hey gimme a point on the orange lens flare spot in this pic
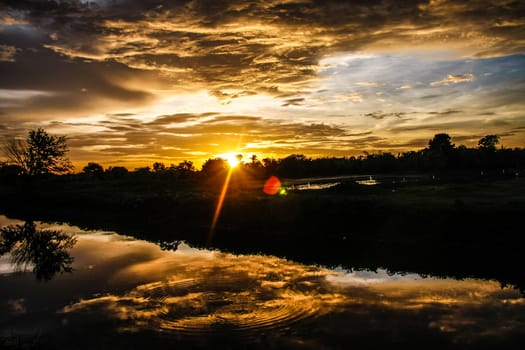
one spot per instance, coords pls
(272, 185)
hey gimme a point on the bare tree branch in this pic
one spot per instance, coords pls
(16, 151)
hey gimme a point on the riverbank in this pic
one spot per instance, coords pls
(459, 229)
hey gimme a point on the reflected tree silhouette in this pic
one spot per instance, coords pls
(169, 245)
(45, 250)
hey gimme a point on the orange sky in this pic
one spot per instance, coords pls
(134, 82)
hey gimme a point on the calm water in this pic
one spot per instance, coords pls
(126, 293)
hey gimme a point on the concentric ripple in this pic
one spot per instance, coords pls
(226, 303)
(203, 293)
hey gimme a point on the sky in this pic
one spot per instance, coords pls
(132, 82)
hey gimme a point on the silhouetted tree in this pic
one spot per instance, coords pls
(488, 143)
(16, 152)
(39, 154)
(487, 154)
(9, 172)
(380, 162)
(412, 160)
(440, 151)
(270, 166)
(159, 167)
(254, 160)
(146, 170)
(295, 165)
(214, 166)
(93, 169)
(116, 172)
(254, 167)
(184, 168)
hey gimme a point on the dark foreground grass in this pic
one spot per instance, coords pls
(459, 229)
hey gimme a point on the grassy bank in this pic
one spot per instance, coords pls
(456, 228)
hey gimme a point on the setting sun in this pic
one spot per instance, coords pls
(233, 159)
(262, 173)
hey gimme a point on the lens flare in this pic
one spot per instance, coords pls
(272, 185)
(219, 206)
(233, 160)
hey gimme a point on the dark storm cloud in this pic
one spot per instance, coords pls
(69, 84)
(258, 46)
(46, 70)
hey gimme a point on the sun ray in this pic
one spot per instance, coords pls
(219, 205)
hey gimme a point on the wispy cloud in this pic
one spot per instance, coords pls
(293, 102)
(382, 115)
(368, 83)
(453, 79)
(176, 137)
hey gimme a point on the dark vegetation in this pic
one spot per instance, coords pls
(443, 210)
(38, 155)
(46, 251)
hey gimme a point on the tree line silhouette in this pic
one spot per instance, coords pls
(42, 154)
(413, 226)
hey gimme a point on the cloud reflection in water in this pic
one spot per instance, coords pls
(199, 293)
(130, 293)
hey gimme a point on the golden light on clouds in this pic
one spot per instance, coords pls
(290, 66)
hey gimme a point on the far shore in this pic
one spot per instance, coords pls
(448, 227)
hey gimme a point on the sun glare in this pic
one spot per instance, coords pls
(233, 159)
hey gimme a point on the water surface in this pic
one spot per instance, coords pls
(127, 293)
